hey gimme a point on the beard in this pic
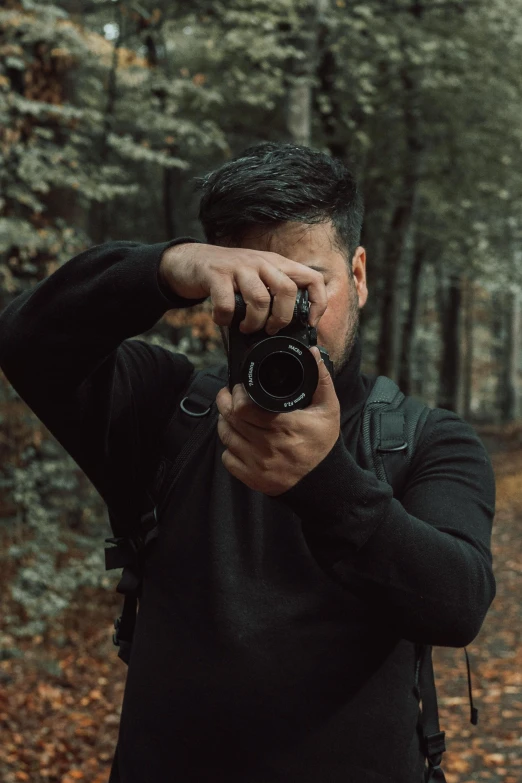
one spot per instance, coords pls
(340, 359)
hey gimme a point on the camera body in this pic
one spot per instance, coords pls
(278, 371)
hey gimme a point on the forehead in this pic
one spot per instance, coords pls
(313, 245)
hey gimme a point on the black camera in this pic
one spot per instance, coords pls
(278, 371)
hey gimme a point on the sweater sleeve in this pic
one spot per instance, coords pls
(424, 563)
(64, 349)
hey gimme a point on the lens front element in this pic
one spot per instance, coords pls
(280, 374)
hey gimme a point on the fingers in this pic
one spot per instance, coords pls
(268, 283)
(279, 278)
(222, 295)
(254, 289)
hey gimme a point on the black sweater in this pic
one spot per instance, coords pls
(275, 639)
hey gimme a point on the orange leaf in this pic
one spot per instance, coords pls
(492, 759)
(459, 765)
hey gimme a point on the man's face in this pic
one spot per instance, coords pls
(313, 246)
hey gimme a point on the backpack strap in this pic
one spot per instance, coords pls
(434, 739)
(181, 438)
(196, 412)
(391, 428)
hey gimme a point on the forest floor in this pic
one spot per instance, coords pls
(61, 693)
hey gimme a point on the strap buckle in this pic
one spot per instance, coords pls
(120, 555)
(116, 635)
(435, 746)
(397, 448)
(193, 413)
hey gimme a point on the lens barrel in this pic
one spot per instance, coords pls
(280, 374)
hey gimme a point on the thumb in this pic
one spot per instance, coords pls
(325, 386)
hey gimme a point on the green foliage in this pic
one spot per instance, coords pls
(89, 125)
(59, 550)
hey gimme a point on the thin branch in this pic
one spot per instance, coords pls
(417, 8)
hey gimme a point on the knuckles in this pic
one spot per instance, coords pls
(223, 431)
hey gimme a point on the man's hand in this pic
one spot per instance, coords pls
(271, 452)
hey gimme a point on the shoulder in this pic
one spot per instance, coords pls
(439, 424)
(450, 428)
(157, 376)
(445, 440)
(136, 349)
(449, 446)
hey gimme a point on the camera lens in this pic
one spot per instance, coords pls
(280, 374)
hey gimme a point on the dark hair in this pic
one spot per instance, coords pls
(275, 182)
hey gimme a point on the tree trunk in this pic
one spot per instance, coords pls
(411, 317)
(172, 179)
(331, 118)
(171, 187)
(298, 112)
(99, 214)
(508, 377)
(387, 351)
(467, 364)
(497, 329)
(450, 360)
(398, 231)
(299, 94)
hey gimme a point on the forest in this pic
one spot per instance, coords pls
(109, 112)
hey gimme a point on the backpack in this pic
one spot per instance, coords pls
(390, 430)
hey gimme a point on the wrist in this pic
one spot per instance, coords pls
(171, 255)
(171, 258)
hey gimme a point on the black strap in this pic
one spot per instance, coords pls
(433, 738)
(390, 439)
(473, 710)
(389, 446)
(190, 416)
(129, 552)
(390, 430)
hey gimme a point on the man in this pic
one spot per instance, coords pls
(286, 593)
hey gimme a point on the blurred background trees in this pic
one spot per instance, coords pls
(108, 110)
